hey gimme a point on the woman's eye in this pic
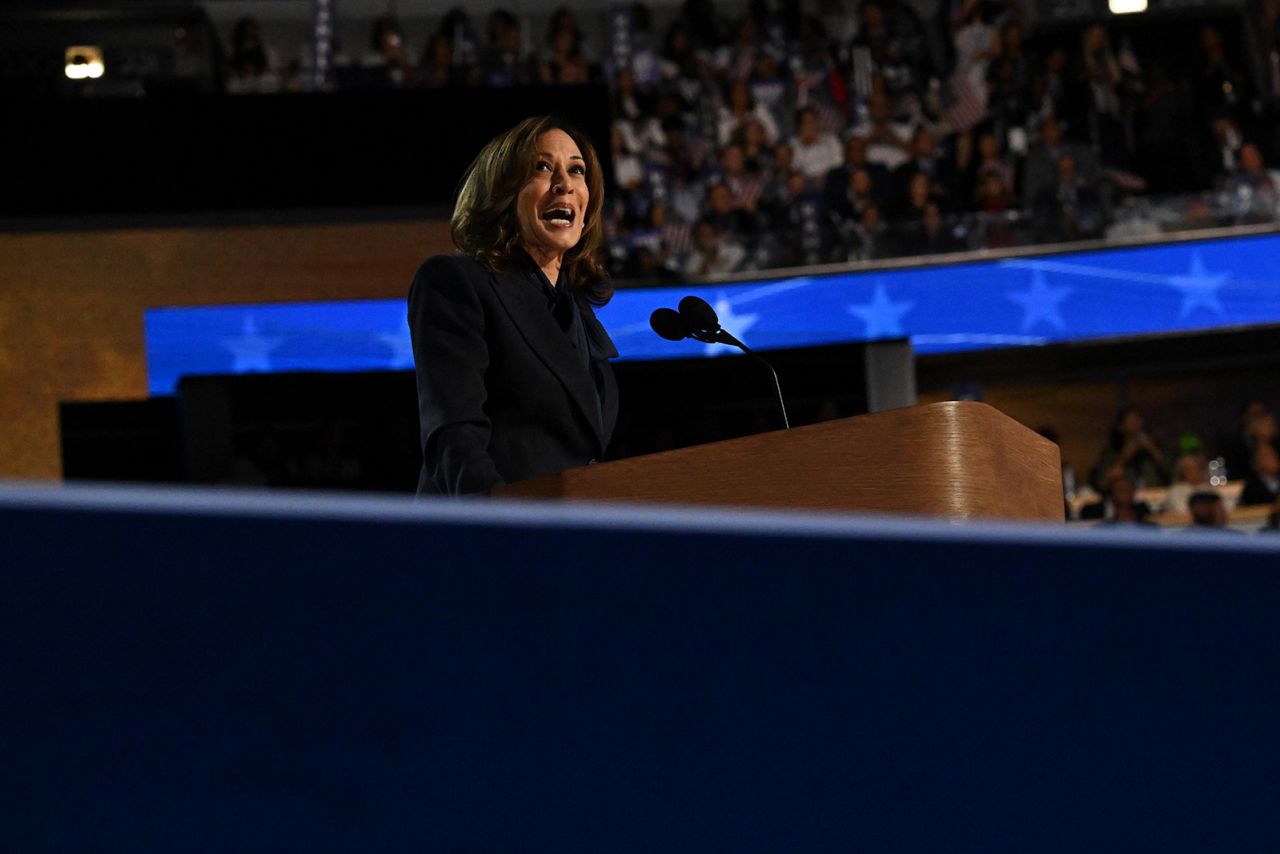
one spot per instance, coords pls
(542, 164)
(578, 170)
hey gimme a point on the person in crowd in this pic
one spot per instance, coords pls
(252, 66)
(868, 238)
(926, 159)
(437, 69)
(840, 180)
(931, 235)
(1272, 525)
(1263, 485)
(387, 53)
(566, 64)
(918, 195)
(503, 61)
(987, 160)
(1256, 425)
(814, 153)
(512, 364)
(713, 254)
(1222, 89)
(1071, 209)
(855, 198)
(745, 187)
(1207, 511)
(887, 138)
(1040, 167)
(737, 109)
(1254, 189)
(806, 222)
(1131, 450)
(757, 152)
(1119, 504)
(1110, 81)
(1190, 476)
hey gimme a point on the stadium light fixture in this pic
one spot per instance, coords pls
(1126, 7)
(84, 62)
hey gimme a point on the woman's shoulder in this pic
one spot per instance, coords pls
(453, 265)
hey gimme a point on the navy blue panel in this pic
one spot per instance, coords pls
(209, 673)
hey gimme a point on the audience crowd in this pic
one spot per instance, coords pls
(774, 138)
(1133, 463)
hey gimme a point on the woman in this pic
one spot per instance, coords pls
(513, 377)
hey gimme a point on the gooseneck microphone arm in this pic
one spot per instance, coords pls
(720, 335)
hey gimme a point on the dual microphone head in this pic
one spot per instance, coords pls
(695, 319)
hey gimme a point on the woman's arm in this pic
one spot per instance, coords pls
(451, 355)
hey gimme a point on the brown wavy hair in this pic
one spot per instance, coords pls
(484, 223)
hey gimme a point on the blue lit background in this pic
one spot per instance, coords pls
(999, 303)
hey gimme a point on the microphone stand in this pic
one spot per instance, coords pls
(720, 335)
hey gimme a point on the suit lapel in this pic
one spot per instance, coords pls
(602, 349)
(525, 303)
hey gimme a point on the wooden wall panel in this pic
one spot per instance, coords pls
(71, 304)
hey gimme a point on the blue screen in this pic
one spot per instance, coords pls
(1071, 296)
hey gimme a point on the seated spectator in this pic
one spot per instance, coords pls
(1040, 168)
(737, 109)
(253, 67)
(502, 62)
(1272, 525)
(849, 203)
(807, 222)
(838, 180)
(565, 65)
(1070, 210)
(713, 254)
(1190, 477)
(736, 222)
(1207, 510)
(918, 194)
(868, 238)
(1255, 189)
(887, 138)
(1256, 426)
(1131, 451)
(387, 54)
(437, 69)
(988, 160)
(1119, 504)
(757, 151)
(770, 90)
(930, 235)
(814, 153)
(925, 158)
(1263, 486)
(995, 203)
(744, 185)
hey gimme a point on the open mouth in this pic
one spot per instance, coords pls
(560, 215)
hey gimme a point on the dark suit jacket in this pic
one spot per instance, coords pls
(503, 393)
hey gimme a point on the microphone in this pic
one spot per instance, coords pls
(696, 319)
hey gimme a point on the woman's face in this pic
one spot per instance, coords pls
(551, 208)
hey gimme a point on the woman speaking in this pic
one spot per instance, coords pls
(513, 377)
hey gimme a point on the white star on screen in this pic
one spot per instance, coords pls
(1041, 303)
(882, 316)
(401, 347)
(735, 324)
(1199, 287)
(251, 352)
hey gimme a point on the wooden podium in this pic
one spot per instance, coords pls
(956, 459)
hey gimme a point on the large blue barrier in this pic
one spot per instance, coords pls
(205, 671)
